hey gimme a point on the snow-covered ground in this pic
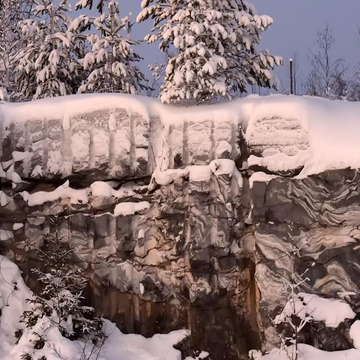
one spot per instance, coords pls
(118, 346)
(306, 352)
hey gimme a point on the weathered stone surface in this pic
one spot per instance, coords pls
(178, 257)
(319, 216)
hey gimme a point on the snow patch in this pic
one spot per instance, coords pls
(261, 177)
(62, 192)
(199, 172)
(355, 334)
(307, 352)
(103, 189)
(4, 199)
(280, 161)
(331, 311)
(6, 235)
(130, 208)
(37, 171)
(201, 356)
(17, 226)
(168, 176)
(21, 155)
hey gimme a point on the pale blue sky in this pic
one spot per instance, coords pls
(296, 23)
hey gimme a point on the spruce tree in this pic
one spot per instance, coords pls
(215, 48)
(46, 65)
(89, 4)
(11, 42)
(62, 284)
(80, 46)
(111, 59)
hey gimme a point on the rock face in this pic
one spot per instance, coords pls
(320, 216)
(172, 227)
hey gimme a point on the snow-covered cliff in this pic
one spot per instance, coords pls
(184, 217)
(120, 136)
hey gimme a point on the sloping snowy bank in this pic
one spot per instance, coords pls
(13, 293)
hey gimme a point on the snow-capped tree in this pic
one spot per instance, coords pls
(215, 43)
(89, 4)
(11, 12)
(80, 46)
(46, 65)
(111, 59)
(62, 284)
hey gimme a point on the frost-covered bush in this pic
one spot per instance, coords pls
(60, 298)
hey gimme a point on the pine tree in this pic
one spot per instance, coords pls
(46, 65)
(111, 59)
(62, 284)
(215, 42)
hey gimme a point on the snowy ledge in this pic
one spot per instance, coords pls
(284, 133)
(101, 189)
(200, 173)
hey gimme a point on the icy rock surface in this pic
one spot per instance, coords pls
(184, 218)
